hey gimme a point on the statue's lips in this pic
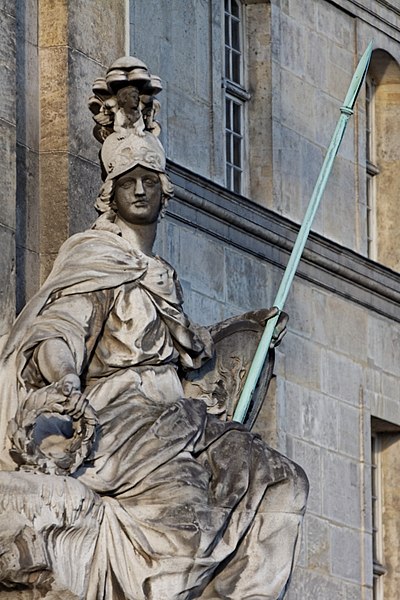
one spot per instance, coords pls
(140, 203)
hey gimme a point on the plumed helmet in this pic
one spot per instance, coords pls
(121, 155)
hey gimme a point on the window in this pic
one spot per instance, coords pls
(385, 483)
(377, 525)
(383, 159)
(372, 168)
(235, 95)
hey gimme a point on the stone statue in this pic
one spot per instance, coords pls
(122, 476)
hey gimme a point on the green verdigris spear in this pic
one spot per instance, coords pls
(263, 347)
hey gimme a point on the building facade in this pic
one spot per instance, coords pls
(252, 92)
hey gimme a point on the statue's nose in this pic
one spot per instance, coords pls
(139, 189)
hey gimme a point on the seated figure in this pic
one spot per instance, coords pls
(115, 484)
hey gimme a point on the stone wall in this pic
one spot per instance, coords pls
(27, 152)
(8, 162)
(75, 46)
(51, 52)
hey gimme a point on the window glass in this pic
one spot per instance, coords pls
(235, 94)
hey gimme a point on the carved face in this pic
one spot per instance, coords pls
(128, 97)
(137, 196)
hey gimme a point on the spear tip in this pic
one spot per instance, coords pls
(358, 77)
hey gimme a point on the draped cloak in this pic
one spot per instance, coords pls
(192, 507)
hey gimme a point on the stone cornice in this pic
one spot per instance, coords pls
(365, 11)
(239, 222)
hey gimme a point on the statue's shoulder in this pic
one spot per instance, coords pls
(93, 245)
(95, 259)
(92, 238)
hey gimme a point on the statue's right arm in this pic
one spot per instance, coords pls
(59, 344)
(56, 364)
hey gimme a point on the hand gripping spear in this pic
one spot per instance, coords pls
(263, 347)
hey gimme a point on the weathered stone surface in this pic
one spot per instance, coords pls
(316, 70)
(306, 372)
(209, 261)
(82, 71)
(8, 163)
(341, 377)
(28, 269)
(54, 133)
(83, 184)
(202, 308)
(320, 418)
(337, 25)
(8, 6)
(167, 243)
(298, 117)
(384, 344)
(293, 408)
(293, 45)
(260, 108)
(7, 275)
(310, 455)
(390, 474)
(304, 13)
(309, 585)
(256, 290)
(53, 24)
(339, 69)
(340, 214)
(8, 175)
(90, 23)
(300, 310)
(318, 544)
(349, 430)
(28, 213)
(346, 560)
(340, 485)
(7, 66)
(27, 106)
(27, 225)
(53, 203)
(344, 326)
(27, 22)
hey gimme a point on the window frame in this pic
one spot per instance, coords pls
(235, 95)
(378, 567)
(372, 169)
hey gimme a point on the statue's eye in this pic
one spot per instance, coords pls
(149, 181)
(126, 185)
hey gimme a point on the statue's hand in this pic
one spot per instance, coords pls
(280, 328)
(68, 384)
(70, 387)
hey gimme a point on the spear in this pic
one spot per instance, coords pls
(265, 342)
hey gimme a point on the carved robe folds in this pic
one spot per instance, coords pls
(169, 493)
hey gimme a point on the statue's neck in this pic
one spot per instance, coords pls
(140, 237)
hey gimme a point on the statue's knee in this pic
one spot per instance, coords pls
(301, 487)
(290, 494)
(24, 558)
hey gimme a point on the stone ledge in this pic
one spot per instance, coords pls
(382, 13)
(237, 221)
